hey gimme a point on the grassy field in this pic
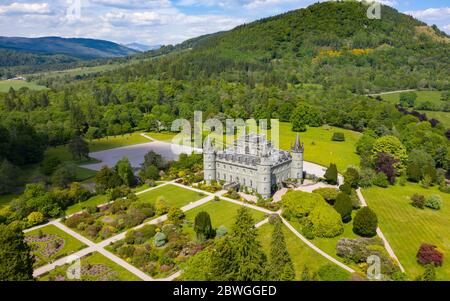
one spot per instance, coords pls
(443, 117)
(320, 149)
(174, 196)
(71, 245)
(300, 253)
(222, 213)
(5, 85)
(94, 201)
(115, 271)
(407, 227)
(162, 136)
(431, 96)
(117, 141)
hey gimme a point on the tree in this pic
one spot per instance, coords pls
(392, 146)
(419, 164)
(281, 267)
(338, 137)
(385, 164)
(198, 267)
(203, 227)
(107, 178)
(63, 176)
(154, 159)
(239, 257)
(79, 148)
(8, 176)
(365, 222)
(331, 175)
(16, 262)
(175, 216)
(408, 99)
(93, 133)
(149, 173)
(125, 172)
(49, 165)
(344, 207)
(351, 177)
(161, 206)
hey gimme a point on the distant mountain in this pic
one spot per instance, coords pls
(142, 47)
(73, 47)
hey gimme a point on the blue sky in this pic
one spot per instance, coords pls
(164, 21)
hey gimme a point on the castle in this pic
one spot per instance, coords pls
(254, 163)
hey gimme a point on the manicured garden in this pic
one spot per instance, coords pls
(93, 201)
(173, 195)
(222, 213)
(94, 267)
(303, 257)
(407, 227)
(50, 243)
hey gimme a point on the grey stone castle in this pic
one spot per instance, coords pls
(254, 163)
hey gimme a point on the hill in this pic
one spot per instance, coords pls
(330, 42)
(73, 47)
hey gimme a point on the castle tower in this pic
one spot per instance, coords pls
(209, 161)
(297, 159)
(264, 177)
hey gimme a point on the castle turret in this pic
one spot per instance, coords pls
(264, 177)
(209, 161)
(297, 159)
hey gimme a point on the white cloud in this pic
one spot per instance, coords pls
(435, 14)
(133, 4)
(25, 9)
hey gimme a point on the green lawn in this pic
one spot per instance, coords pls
(94, 201)
(71, 245)
(407, 227)
(443, 117)
(300, 253)
(162, 136)
(175, 196)
(118, 141)
(320, 149)
(328, 245)
(431, 96)
(5, 85)
(113, 270)
(222, 213)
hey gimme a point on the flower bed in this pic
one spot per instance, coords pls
(156, 250)
(111, 219)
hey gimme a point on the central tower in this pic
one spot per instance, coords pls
(297, 159)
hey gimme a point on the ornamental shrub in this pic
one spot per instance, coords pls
(35, 218)
(160, 239)
(434, 201)
(221, 231)
(329, 194)
(326, 221)
(298, 204)
(175, 216)
(331, 175)
(380, 180)
(365, 222)
(344, 207)
(418, 201)
(429, 274)
(345, 188)
(351, 177)
(338, 137)
(429, 254)
(203, 227)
